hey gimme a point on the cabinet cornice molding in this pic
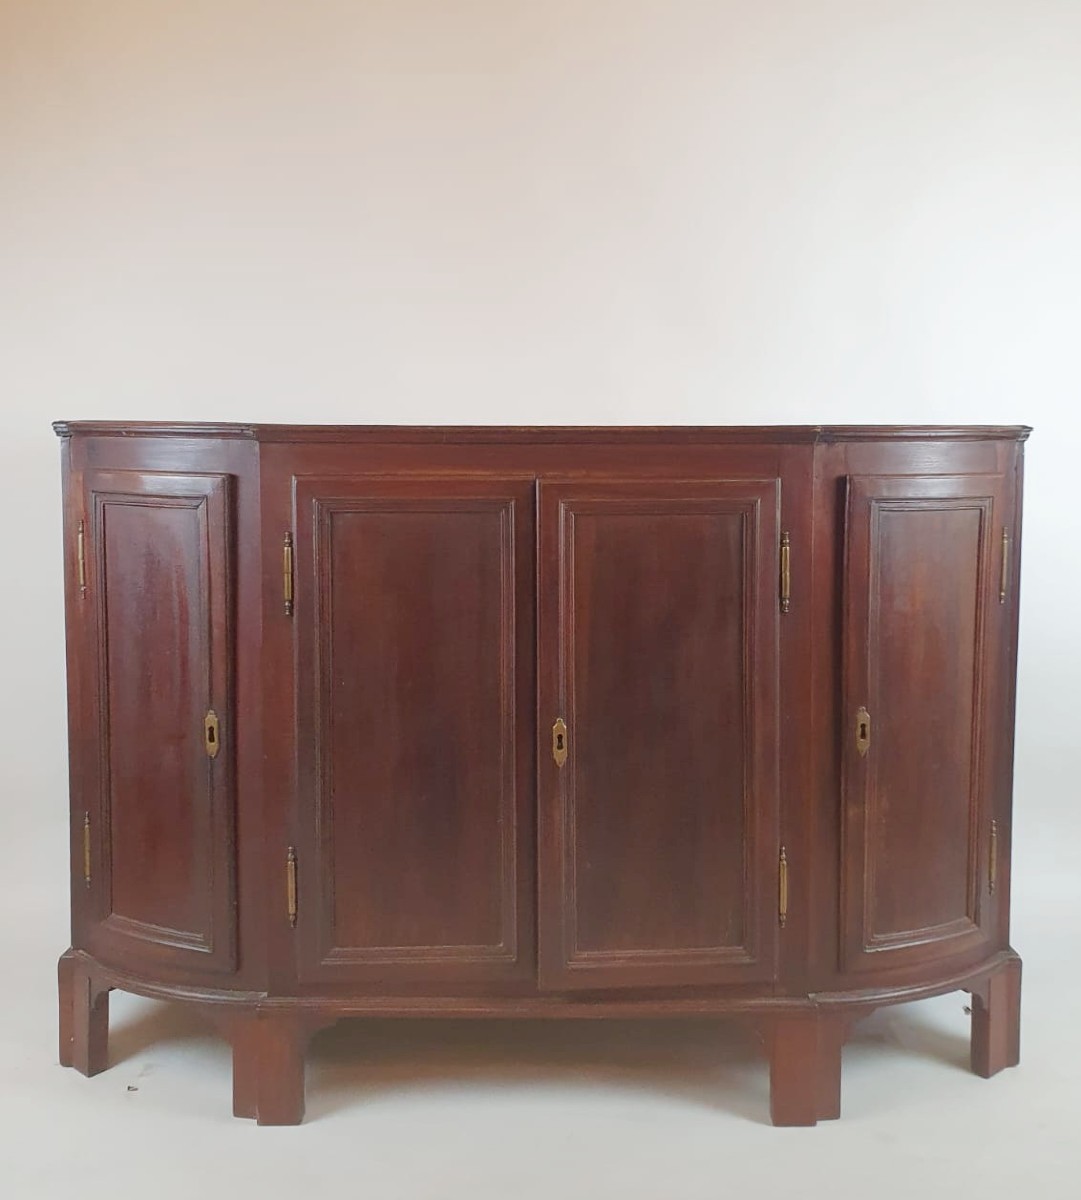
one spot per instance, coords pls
(544, 434)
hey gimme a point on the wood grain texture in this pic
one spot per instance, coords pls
(659, 604)
(921, 596)
(413, 747)
(161, 816)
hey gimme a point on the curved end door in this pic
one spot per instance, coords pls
(925, 617)
(153, 799)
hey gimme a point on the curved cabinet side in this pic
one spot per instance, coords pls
(154, 798)
(916, 602)
(923, 620)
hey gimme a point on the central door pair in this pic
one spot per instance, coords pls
(448, 831)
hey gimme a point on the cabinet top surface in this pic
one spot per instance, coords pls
(688, 434)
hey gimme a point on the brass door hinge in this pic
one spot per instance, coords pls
(992, 859)
(782, 888)
(291, 885)
(287, 574)
(786, 572)
(1004, 576)
(86, 848)
(80, 553)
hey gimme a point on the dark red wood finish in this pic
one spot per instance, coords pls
(658, 648)
(414, 635)
(922, 620)
(395, 731)
(158, 811)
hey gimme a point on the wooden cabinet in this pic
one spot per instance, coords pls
(540, 722)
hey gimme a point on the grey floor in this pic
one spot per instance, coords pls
(663, 1110)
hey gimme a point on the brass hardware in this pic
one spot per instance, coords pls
(80, 541)
(1005, 576)
(211, 734)
(291, 885)
(782, 888)
(786, 572)
(287, 574)
(863, 731)
(86, 848)
(992, 859)
(559, 741)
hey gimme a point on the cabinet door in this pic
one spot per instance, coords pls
(157, 798)
(924, 560)
(658, 789)
(414, 627)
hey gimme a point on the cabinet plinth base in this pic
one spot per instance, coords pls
(803, 1037)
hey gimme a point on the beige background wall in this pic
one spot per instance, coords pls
(579, 211)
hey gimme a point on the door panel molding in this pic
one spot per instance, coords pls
(596, 539)
(922, 619)
(458, 544)
(162, 828)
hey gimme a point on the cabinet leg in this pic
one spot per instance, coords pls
(84, 1017)
(996, 1021)
(283, 1043)
(268, 1068)
(804, 1069)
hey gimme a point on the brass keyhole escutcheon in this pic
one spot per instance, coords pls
(863, 731)
(559, 741)
(211, 734)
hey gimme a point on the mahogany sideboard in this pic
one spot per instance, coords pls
(552, 722)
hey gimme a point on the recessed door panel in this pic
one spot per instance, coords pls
(923, 559)
(159, 823)
(658, 649)
(414, 627)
